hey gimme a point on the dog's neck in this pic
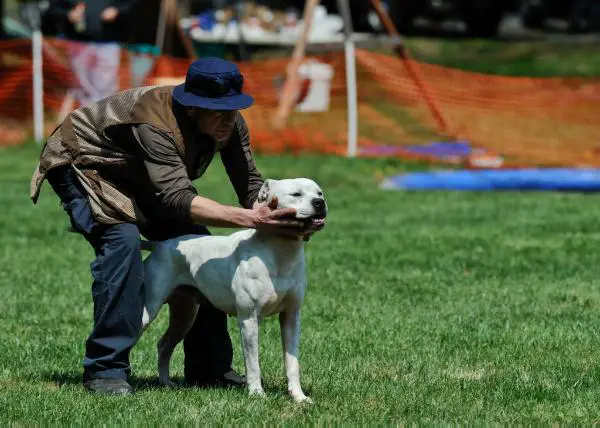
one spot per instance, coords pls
(285, 248)
(279, 240)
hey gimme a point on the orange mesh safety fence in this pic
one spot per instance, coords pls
(546, 121)
(528, 121)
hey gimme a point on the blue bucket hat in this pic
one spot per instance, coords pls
(213, 84)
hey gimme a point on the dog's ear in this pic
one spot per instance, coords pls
(264, 194)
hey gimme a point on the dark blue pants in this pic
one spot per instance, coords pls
(117, 292)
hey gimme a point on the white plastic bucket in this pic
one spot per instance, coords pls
(318, 97)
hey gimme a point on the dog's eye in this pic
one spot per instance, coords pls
(296, 194)
(319, 193)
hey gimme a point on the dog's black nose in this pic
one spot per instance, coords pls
(318, 203)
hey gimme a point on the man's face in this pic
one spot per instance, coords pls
(218, 124)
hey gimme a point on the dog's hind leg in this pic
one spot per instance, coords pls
(182, 314)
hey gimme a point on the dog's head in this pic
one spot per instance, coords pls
(302, 194)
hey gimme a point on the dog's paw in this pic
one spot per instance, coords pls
(302, 399)
(257, 392)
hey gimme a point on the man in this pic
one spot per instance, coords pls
(124, 166)
(96, 27)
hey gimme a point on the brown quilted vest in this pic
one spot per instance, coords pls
(81, 142)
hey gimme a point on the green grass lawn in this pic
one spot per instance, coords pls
(541, 58)
(422, 308)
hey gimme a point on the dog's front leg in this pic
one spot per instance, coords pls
(289, 322)
(249, 333)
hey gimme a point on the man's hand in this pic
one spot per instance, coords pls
(271, 219)
(262, 216)
(75, 15)
(110, 14)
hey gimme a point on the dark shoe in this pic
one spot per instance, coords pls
(108, 386)
(230, 379)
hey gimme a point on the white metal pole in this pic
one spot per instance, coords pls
(351, 90)
(37, 71)
(352, 95)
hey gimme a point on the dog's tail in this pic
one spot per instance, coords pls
(144, 245)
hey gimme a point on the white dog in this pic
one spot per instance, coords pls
(251, 274)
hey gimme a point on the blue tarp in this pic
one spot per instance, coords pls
(561, 179)
(441, 150)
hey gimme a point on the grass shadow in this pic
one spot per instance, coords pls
(141, 383)
(61, 379)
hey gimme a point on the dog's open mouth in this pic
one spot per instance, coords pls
(316, 222)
